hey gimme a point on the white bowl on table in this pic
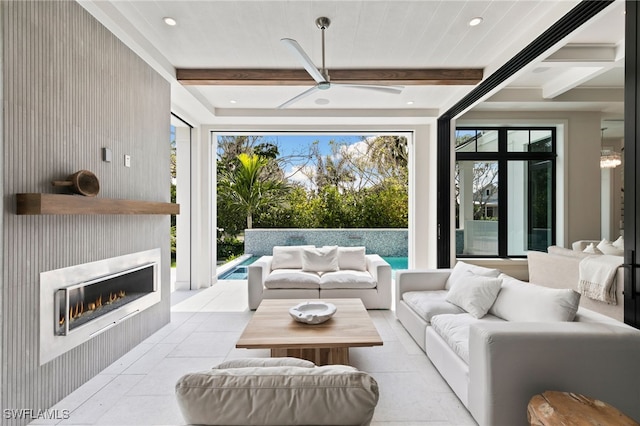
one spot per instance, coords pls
(312, 312)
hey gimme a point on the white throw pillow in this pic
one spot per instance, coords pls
(591, 248)
(352, 258)
(606, 247)
(619, 243)
(287, 257)
(474, 293)
(521, 301)
(460, 269)
(323, 259)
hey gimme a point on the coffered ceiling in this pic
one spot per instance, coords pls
(585, 72)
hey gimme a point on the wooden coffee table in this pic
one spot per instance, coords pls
(272, 327)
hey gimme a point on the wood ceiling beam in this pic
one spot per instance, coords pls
(298, 77)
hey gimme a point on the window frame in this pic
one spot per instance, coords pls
(502, 157)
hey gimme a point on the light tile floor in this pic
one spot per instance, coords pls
(138, 388)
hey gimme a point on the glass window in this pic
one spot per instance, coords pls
(529, 141)
(476, 186)
(487, 141)
(465, 140)
(476, 140)
(518, 141)
(541, 141)
(517, 215)
(530, 208)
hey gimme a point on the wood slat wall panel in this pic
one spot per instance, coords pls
(69, 88)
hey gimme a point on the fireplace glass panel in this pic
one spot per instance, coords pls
(81, 303)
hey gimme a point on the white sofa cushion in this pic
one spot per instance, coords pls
(430, 303)
(352, 258)
(619, 242)
(347, 279)
(567, 252)
(292, 278)
(520, 301)
(592, 249)
(287, 257)
(461, 268)
(278, 395)
(323, 259)
(607, 247)
(474, 293)
(454, 330)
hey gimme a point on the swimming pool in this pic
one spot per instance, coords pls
(240, 271)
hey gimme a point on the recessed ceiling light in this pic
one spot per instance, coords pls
(322, 101)
(170, 21)
(233, 101)
(410, 103)
(475, 21)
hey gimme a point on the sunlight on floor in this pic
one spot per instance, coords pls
(224, 296)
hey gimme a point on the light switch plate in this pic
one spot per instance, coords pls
(106, 155)
(127, 161)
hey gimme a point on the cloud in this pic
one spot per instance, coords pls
(358, 149)
(302, 174)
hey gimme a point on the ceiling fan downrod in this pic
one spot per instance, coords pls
(323, 23)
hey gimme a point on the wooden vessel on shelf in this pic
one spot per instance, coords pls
(62, 204)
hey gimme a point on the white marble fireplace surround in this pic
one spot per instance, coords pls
(52, 345)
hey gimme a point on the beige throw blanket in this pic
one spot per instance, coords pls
(597, 277)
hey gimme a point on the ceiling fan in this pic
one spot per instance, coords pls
(321, 76)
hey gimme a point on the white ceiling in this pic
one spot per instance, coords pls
(372, 34)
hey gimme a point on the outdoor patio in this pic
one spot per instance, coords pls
(138, 389)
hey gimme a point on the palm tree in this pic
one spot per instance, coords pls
(390, 154)
(247, 187)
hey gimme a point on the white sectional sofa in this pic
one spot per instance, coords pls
(497, 349)
(560, 268)
(308, 272)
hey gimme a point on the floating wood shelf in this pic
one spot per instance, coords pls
(61, 204)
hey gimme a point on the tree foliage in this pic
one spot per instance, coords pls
(248, 186)
(361, 185)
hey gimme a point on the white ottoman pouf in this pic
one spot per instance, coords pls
(277, 391)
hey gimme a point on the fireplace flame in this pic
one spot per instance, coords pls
(79, 309)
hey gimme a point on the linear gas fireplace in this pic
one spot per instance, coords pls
(79, 304)
(82, 301)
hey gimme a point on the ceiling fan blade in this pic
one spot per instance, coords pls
(387, 89)
(298, 97)
(306, 61)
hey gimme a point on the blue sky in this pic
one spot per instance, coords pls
(290, 144)
(295, 148)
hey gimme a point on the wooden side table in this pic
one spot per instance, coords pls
(552, 408)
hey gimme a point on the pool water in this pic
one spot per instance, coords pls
(238, 273)
(397, 262)
(241, 271)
